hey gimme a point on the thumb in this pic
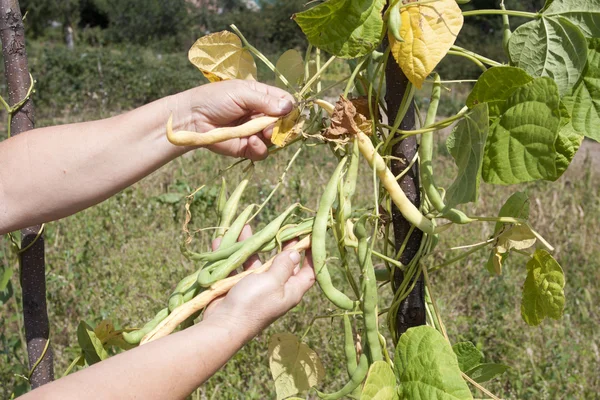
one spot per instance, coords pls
(268, 102)
(284, 265)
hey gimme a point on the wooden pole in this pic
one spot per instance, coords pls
(412, 309)
(32, 262)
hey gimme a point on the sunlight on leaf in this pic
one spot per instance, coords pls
(91, 346)
(291, 65)
(543, 291)
(295, 367)
(220, 56)
(468, 355)
(551, 47)
(345, 28)
(584, 102)
(380, 383)
(427, 368)
(585, 14)
(521, 146)
(428, 30)
(495, 85)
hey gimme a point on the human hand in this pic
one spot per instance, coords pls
(231, 103)
(259, 299)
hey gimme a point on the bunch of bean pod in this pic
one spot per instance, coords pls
(215, 266)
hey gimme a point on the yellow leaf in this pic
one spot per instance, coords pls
(295, 366)
(220, 56)
(428, 30)
(287, 128)
(519, 237)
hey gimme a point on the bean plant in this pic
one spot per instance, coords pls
(523, 121)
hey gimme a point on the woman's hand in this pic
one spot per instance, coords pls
(231, 103)
(259, 299)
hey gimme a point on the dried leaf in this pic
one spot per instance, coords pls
(346, 120)
(220, 56)
(288, 128)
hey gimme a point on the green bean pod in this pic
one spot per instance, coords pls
(222, 199)
(369, 292)
(359, 375)
(224, 253)
(318, 246)
(426, 166)
(136, 336)
(290, 233)
(231, 236)
(230, 207)
(349, 348)
(176, 298)
(395, 21)
(190, 320)
(251, 246)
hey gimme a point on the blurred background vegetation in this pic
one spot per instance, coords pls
(120, 260)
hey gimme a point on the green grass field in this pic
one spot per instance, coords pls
(120, 260)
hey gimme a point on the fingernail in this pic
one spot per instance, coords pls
(295, 256)
(285, 105)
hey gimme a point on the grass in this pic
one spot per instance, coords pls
(120, 260)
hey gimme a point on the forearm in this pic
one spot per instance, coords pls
(53, 172)
(170, 368)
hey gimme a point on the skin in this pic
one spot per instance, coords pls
(72, 167)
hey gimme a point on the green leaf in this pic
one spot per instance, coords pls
(466, 144)
(6, 289)
(521, 144)
(90, 344)
(380, 383)
(468, 355)
(517, 206)
(291, 65)
(584, 102)
(495, 85)
(543, 291)
(585, 14)
(567, 144)
(5, 274)
(345, 28)
(170, 198)
(295, 366)
(427, 367)
(486, 372)
(551, 47)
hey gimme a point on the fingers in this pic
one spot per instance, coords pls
(255, 149)
(264, 99)
(284, 264)
(303, 280)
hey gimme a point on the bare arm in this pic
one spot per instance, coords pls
(72, 167)
(174, 366)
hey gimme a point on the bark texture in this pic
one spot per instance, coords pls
(33, 274)
(412, 310)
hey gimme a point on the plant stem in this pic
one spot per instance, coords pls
(511, 13)
(316, 76)
(469, 57)
(458, 258)
(262, 57)
(481, 58)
